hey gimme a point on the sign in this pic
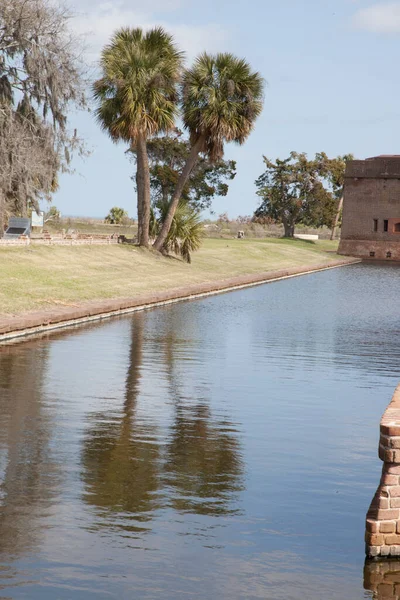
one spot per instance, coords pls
(37, 219)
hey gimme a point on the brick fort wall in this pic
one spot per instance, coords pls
(382, 535)
(371, 209)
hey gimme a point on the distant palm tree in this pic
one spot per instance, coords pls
(221, 99)
(137, 98)
(186, 231)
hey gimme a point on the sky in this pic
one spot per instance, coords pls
(332, 85)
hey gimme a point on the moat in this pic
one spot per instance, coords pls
(220, 448)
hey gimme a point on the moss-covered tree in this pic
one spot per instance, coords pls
(40, 79)
(297, 190)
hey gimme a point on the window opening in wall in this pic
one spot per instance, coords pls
(388, 255)
(375, 224)
(385, 225)
(372, 254)
(396, 228)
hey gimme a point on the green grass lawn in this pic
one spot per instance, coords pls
(38, 277)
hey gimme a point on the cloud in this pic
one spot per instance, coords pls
(100, 21)
(379, 18)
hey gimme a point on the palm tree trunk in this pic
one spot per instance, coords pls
(334, 228)
(143, 186)
(184, 176)
(139, 188)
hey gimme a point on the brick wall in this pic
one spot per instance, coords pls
(371, 250)
(378, 167)
(366, 200)
(382, 536)
(371, 197)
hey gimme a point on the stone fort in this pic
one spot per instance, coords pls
(371, 208)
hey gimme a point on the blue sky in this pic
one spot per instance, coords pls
(332, 85)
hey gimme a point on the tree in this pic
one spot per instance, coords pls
(116, 216)
(53, 214)
(167, 157)
(336, 171)
(244, 219)
(296, 190)
(136, 99)
(40, 79)
(186, 232)
(223, 219)
(221, 99)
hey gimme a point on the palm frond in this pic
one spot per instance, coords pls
(186, 233)
(137, 92)
(221, 100)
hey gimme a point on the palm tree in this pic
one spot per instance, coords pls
(186, 231)
(221, 99)
(137, 98)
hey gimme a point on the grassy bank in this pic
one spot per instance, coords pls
(39, 277)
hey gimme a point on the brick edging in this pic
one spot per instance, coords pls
(382, 536)
(48, 320)
(387, 250)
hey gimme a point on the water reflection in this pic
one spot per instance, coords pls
(203, 465)
(382, 578)
(121, 453)
(133, 465)
(368, 340)
(214, 449)
(29, 473)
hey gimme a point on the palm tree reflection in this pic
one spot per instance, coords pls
(121, 454)
(133, 467)
(202, 464)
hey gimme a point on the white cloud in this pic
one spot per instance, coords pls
(99, 22)
(379, 18)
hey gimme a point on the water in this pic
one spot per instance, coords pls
(222, 448)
